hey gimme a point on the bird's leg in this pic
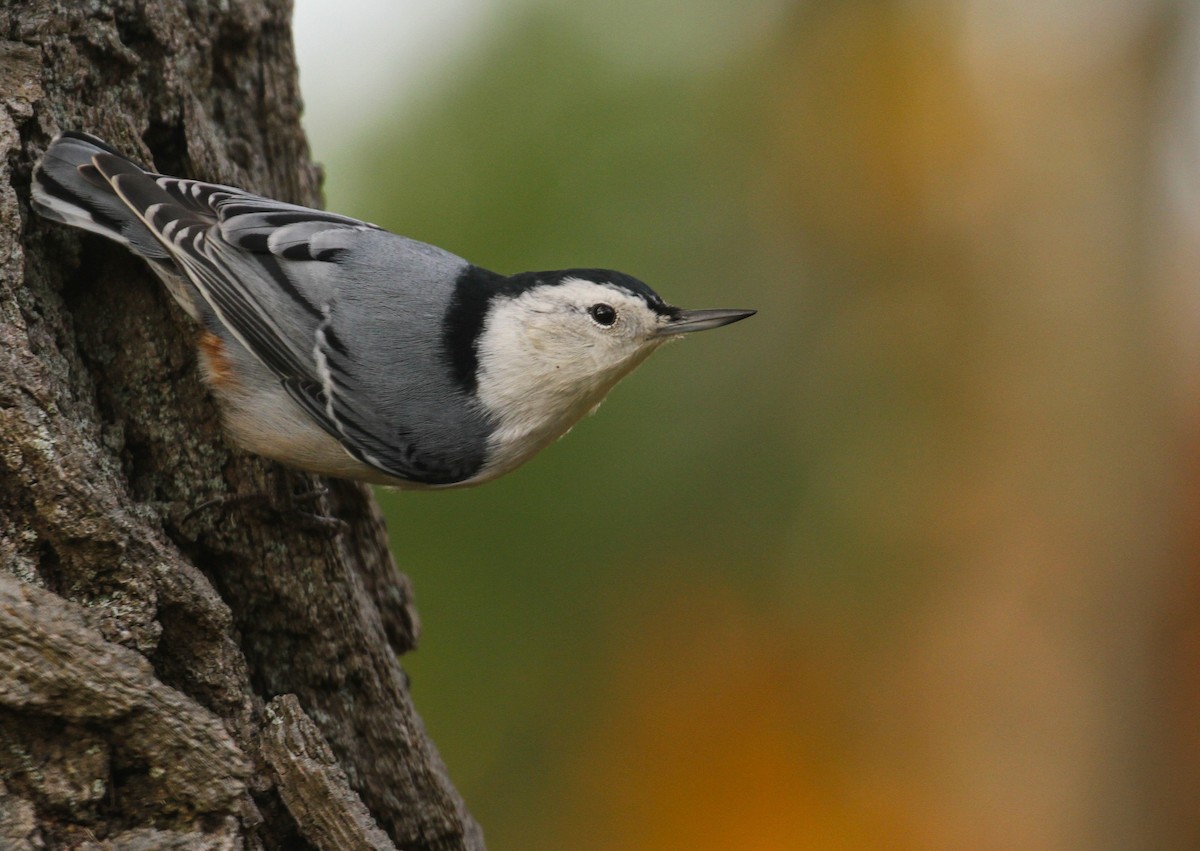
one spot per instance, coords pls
(280, 501)
(290, 502)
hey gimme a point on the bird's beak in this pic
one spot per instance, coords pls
(687, 321)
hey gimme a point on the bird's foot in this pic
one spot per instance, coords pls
(281, 502)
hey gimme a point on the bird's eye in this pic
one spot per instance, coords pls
(604, 314)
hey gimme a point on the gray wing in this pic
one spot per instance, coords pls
(293, 285)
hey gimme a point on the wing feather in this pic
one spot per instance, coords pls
(237, 249)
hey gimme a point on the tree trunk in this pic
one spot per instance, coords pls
(171, 678)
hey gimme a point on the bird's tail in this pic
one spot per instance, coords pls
(68, 188)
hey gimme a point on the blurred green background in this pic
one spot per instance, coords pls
(908, 560)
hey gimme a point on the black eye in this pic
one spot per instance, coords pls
(604, 314)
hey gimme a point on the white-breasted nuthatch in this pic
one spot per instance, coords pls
(337, 347)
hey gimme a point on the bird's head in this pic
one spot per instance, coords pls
(552, 344)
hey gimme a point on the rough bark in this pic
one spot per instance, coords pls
(221, 680)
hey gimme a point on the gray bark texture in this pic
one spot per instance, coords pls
(170, 679)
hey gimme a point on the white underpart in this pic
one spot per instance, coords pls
(544, 364)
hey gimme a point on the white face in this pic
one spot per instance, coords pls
(585, 324)
(550, 355)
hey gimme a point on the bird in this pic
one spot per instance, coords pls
(337, 347)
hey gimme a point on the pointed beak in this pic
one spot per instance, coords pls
(687, 321)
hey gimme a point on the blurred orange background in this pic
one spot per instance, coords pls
(906, 561)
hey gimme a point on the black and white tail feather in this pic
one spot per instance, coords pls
(183, 224)
(224, 255)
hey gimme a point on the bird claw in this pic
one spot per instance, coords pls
(282, 503)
